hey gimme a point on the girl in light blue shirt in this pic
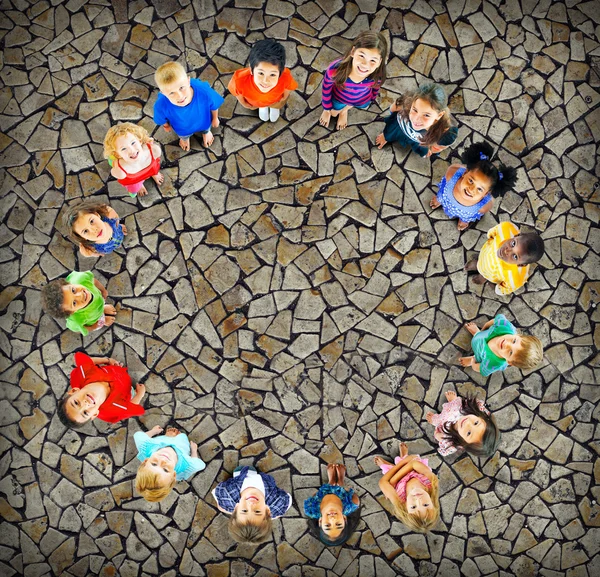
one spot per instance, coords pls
(165, 459)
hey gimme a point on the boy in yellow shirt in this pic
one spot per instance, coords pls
(505, 257)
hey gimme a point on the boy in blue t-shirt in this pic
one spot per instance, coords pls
(186, 105)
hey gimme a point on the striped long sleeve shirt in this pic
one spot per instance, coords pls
(350, 93)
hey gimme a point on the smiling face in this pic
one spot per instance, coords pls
(251, 507)
(75, 297)
(332, 520)
(365, 61)
(128, 147)
(513, 251)
(179, 92)
(84, 404)
(422, 115)
(471, 428)
(509, 347)
(90, 226)
(472, 186)
(418, 500)
(162, 463)
(265, 76)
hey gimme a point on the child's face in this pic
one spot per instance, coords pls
(265, 76)
(471, 428)
(422, 115)
(332, 521)
(162, 463)
(509, 346)
(128, 146)
(75, 297)
(179, 92)
(365, 61)
(418, 500)
(251, 507)
(90, 226)
(84, 404)
(472, 186)
(513, 251)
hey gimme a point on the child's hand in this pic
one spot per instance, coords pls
(215, 122)
(472, 328)
(88, 252)
(156, 430)
(434, 149)
(124, 229)
(451, 395)
(380, 141)
(194, 449)
(466, 361)
(393, 107)
(167, 127)
(113, 362)
(140, 390)
(429, 416)
(172, 432)
(434, 202)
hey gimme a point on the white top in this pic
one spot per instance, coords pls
(253, 479)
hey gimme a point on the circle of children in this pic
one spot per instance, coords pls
(101, 387)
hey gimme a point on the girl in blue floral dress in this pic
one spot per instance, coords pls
(95, 227)
(466, 192)
(334, 512)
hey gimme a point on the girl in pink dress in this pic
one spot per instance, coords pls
(465, 424)
(413, 490)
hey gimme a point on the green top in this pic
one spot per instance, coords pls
(87, 316)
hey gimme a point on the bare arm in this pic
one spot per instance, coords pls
(424, 470)
(156, 430)
(140, 391)
(487, 206)
(487, 325)
(112, 213)
(101, 288)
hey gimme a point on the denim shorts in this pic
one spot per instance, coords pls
(337, 105)
(188, 136)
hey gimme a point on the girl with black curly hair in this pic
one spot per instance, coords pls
(466, 192)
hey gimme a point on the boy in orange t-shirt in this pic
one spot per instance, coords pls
(266, 84)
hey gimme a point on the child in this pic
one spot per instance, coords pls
(355, 79)
(165, 460)
(267, 83)
(498, 345)
(99, 391)
(412, 488)
(133, 157)
(185, 105)
(95, 227)
(334, 511)
(80, 300)
(465, 424)
(422, 121)
(505, 257)
(253, 500)
(466, 192)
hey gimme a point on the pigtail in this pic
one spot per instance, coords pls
(479, 156)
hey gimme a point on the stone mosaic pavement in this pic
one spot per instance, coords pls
(288, 297)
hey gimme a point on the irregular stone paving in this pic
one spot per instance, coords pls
(288, 298)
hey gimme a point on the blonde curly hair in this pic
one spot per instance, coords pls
(121, 129)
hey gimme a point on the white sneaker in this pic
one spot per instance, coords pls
(273, 114)
(263, 113)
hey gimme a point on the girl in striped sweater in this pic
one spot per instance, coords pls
(354, 80)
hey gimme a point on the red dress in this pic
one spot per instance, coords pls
(118, 404)
(151, 170)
